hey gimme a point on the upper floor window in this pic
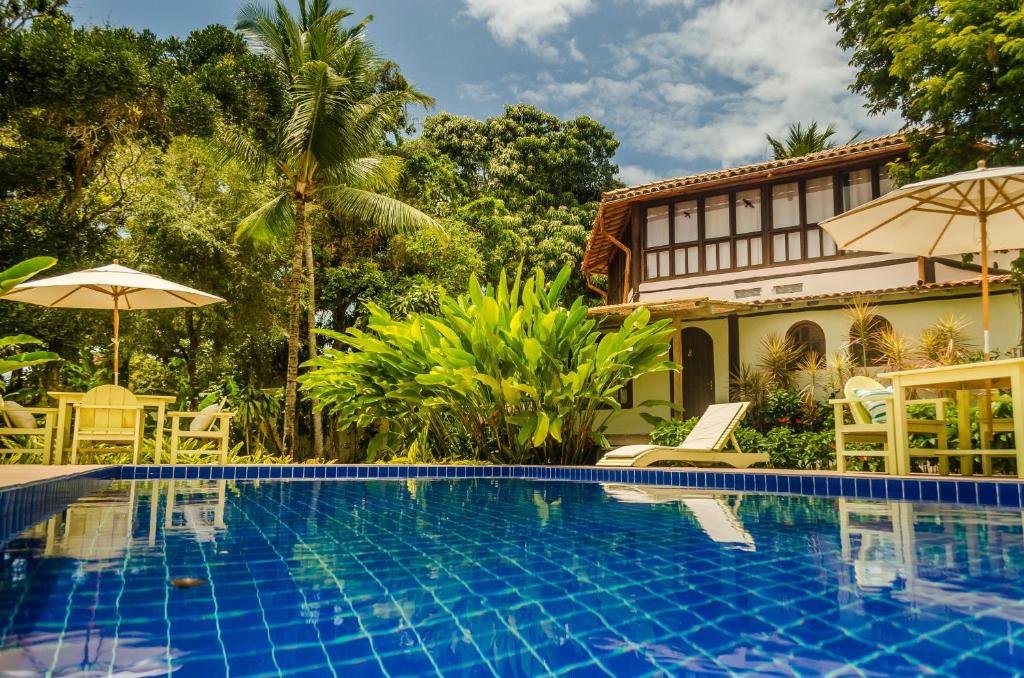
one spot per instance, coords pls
(774, 223)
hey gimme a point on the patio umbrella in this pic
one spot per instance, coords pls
(978, 210)
(112, 287)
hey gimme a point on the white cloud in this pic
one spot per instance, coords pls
(632, 175)
(529, 22)
(478, 92)
(705, 91)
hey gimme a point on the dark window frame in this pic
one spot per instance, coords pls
(796, 333)
(767, 231)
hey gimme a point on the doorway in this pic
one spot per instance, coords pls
(698, 371)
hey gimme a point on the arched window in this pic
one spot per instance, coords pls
(871, 354)
(806, 337)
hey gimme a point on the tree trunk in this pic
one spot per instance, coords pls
(318, 425)
(294, 311)
(192, 357)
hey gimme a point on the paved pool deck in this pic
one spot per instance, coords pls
(12, 475)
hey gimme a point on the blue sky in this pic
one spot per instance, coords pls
(686, 85)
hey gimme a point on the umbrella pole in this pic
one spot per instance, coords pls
(983, 221)
(117, 341)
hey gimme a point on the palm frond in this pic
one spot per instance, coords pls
(313, 129)
(270, 222)
(372, 118)
(379, 174)
(372, 209)
(263, 33)
(230, 144)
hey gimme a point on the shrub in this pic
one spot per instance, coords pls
(525, 379)
(786, 448)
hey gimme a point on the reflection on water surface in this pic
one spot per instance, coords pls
(508, 577)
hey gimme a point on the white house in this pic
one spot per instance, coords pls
(734, 254)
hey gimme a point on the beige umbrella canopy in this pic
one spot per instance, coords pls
(112, 287)
(978, 210)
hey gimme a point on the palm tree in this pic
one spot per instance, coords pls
(327, 153)
(802, 140)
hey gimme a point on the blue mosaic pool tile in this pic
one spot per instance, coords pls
(893, 488)
(987, 494)
(966, 492)
(1009, 494)
(947, 491)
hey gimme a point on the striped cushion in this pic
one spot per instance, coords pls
(876, 408)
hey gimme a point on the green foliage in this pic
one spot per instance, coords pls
(802, 140)
(955, 66)
(12, 357)
(787, 448)
(507, 367)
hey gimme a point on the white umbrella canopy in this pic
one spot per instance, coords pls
(978, 210)
(115, 288)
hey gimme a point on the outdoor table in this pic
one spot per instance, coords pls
(963, 379)
(65, 400)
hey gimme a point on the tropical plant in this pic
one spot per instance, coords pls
(779, 357)
(327, 154)
(950, 66)
(802, 140)
(896, 350)
(526, 379)
(865, 327)
(10, 277)
(749, 384)
(945, 341)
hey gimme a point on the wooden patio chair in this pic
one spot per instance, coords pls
(210, 425)
(880, 430)
(108, 414)
(27, 430)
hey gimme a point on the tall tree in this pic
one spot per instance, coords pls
(802, 140)
(327, 154)
(952, 66)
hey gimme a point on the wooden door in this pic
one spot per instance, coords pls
(698, 371)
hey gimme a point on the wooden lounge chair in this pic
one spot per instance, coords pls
(211, 425)
(705, 444)
(108, 414)
(27, 430)
(864, 430)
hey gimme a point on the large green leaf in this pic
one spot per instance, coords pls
(22, 271)
(22, 360)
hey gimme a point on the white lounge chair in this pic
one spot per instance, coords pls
(705, 444)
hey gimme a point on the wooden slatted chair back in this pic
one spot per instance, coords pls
(96, 418)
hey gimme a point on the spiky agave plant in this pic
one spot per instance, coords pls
(779, 356)
(748, 384)
(945, 342)
(812, 368)
(840, 369)
(864, 328)
(896, 350)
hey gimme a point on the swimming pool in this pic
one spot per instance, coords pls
(505, 576)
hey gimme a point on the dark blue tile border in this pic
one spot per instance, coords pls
(25, 505)
(987, 492)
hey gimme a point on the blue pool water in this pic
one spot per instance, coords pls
(508, 577)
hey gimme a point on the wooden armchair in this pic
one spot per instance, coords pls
(865, 430)
(22, 427)
(108, 414)
(211, 425)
